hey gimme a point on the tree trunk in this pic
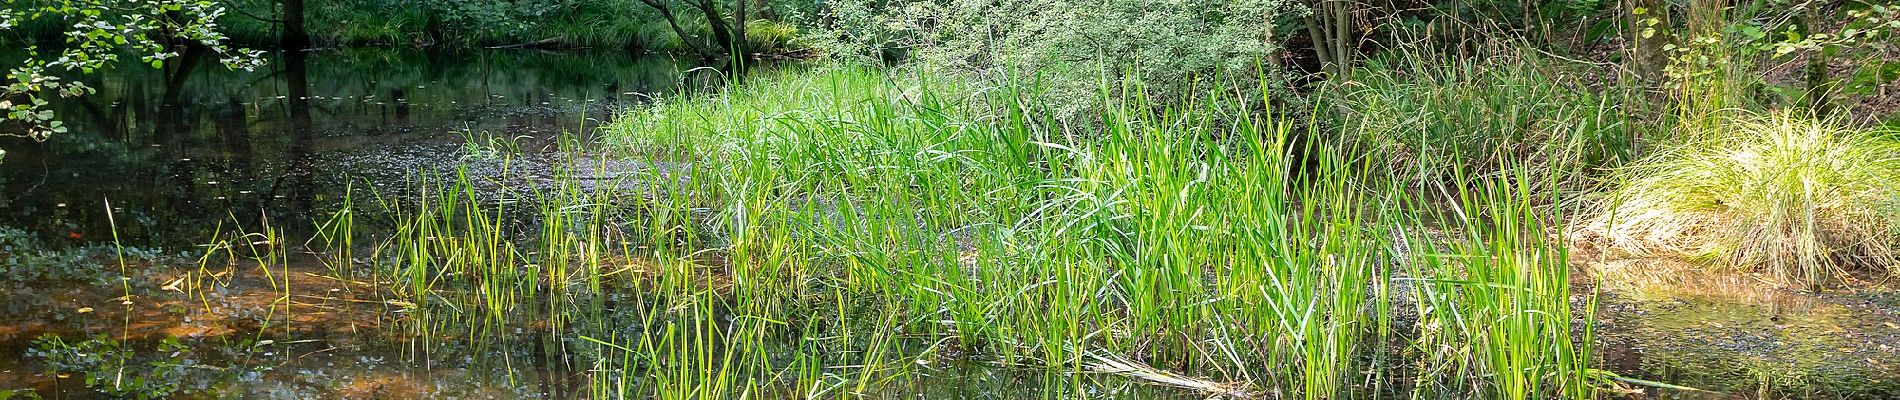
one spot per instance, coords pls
(1646, 49)
(295, 37)
(673, 21)
(1820, 86)
(721, 31)
(1330, 28)
(302, 158)
(738, 27)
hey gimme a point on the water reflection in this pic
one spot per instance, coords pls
(182, 149)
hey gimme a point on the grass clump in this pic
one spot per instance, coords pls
(1427, 115)
(1494, 295)
(1798, 198)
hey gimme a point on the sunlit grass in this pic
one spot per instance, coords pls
(1800, 199)
(834, 231)
(1167, 235)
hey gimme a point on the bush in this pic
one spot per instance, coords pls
(769, 37)
(1073, 48)
(1802, 199)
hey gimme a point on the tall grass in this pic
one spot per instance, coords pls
(1427, 115)
(827, 231)
(1801, 199)
(1495, 295)
(1170, 235)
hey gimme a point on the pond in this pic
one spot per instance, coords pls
(178, 151)
(210, 192)
(204, 188)
(180, 154)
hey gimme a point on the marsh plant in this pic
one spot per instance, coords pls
(1801, 199)
(106, 365)
(1071, 50)
(831, 230)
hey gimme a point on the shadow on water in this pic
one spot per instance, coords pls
(198, 160)
(182, 149)
(193, 152)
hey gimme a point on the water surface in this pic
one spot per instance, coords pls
(180, 150)
(186, 155)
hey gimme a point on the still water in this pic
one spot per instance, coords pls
(180, 150)
(167, 159)
(162, 164)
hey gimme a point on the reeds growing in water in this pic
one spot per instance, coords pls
(834, 231)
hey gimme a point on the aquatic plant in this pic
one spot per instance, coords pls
(1798, 198)
(1494, 294)
(1165, 238)
(827, 231)
(25, 257)
(105, 365)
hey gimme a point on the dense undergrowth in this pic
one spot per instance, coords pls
(887, 219)
(1064, 191)
(587, 24)
(1426, 115)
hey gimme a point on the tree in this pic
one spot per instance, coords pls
(1329, 25)
(728, 33)
(95, 34)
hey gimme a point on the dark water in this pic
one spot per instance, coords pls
(187, 152)
(177, 152)
(183, 157)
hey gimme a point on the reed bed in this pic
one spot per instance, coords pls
(830, 231)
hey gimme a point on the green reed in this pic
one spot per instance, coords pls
(1495, 294)
(832, 231)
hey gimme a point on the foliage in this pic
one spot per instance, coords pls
(770, 37)
(1074, 48)
(20, 394)
(1498, 293)
(466, 23)
(612, 24)
(104, 364)
(1796, 55)
(945, 207)
(95, 33)
(1425, 116)
(26, 258)
(1801, 199)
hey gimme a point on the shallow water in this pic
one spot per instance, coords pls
(179, 151)
(1735, 336)
(196, 155)
(185, 153)
(188, 155)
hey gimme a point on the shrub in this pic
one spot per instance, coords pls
(1802, 199)
(769, 37)
(656, 36)
(1073, 48)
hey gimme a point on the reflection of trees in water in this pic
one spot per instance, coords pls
(297, 80)
(186, 148)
